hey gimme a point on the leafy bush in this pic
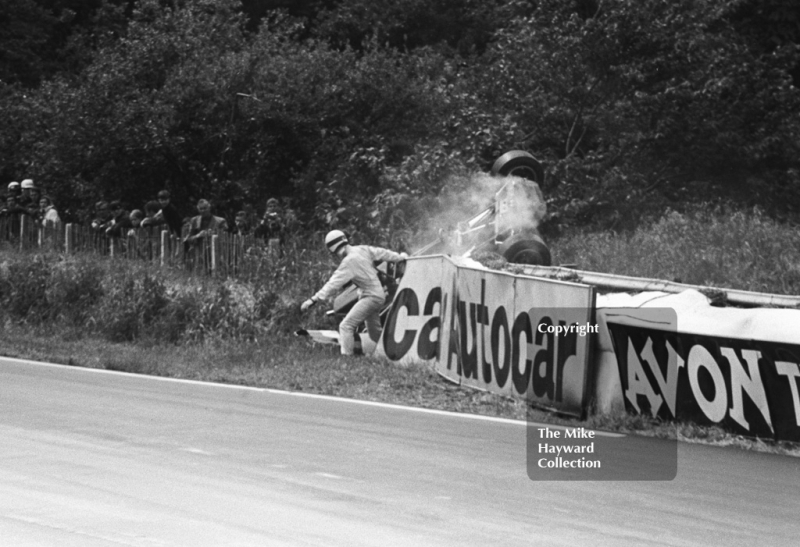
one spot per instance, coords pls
(74, 288)
(23, 287)
(130, 306)
(172, 324)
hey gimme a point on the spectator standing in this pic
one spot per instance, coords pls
(102, 217)
(205, 224)
(242, 226)
(29, 198)
(289, 218)
(26, 199)
(120, 220)
(197, 244)
(48, 213)
(240, 246)
(149, 231)
(10, 216)
(11, 206)
(151, 209)
(35, 209)
(50, 221)
(136, 216)
(272, 227)
(14, 189)
(250, 216)
(36, 195)
(101, 223)
(168, 214)
(136, 245)
(117, 228)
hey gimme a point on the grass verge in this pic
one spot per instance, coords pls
(293, 364)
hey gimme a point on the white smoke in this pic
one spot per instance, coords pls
(522, 205)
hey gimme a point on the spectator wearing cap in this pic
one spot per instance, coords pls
(26, 199)
(14, 189)
(120, 220)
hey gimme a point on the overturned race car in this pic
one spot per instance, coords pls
(507, 227)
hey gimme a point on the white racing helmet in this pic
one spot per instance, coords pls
(335, 240)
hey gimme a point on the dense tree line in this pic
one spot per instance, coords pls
(363, 111)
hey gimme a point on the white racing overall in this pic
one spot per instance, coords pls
(358, 267)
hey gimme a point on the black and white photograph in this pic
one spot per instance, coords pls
(399, 273)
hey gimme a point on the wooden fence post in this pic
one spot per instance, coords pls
(68, 239)
(214, 240)
(23, 225)
(164, 235)
(274, 248)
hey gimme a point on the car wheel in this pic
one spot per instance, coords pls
(528, 251)
(520, 164)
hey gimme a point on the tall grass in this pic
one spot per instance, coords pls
(740, 250)
(122, 300)
(126, 300)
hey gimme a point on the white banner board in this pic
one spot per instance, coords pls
(508, 334)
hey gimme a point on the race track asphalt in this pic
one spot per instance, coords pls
(95, 458)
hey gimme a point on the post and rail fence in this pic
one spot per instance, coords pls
(220, 254)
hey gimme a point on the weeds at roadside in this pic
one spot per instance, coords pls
(742, 250)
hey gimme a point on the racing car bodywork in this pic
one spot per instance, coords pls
(509, 225)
